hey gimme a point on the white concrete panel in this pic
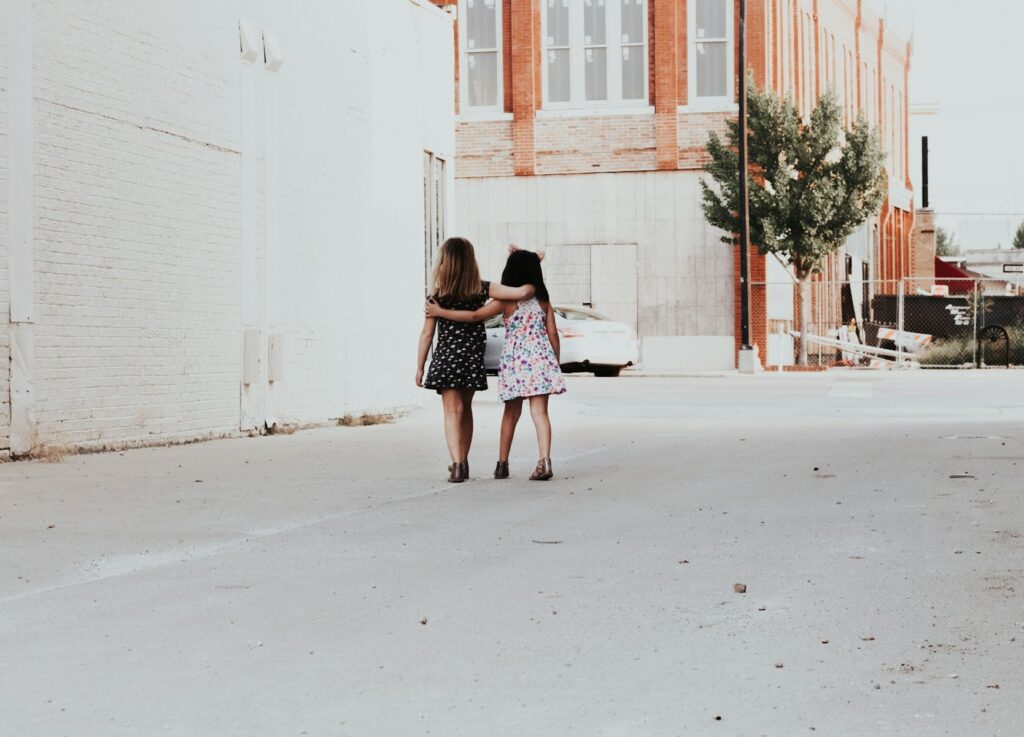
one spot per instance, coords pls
(780, 294)
(614, 281)
(682, 270)
(567, 274)
(688, 353)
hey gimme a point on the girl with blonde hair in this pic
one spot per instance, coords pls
(457, 366)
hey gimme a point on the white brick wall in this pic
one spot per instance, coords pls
(140, 208)
(5, 345)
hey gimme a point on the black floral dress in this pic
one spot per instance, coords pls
(458, 359)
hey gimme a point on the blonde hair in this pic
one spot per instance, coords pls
(456, 273)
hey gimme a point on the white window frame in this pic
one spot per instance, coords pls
(435, 211)
(721, 102)
(577, 59)
(465, 109)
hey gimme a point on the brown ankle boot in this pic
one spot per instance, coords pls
(501, 470)
(455, 473)
(543, 470)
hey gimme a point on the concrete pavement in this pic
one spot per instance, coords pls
(331, 583)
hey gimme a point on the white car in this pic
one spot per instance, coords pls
(589, 341)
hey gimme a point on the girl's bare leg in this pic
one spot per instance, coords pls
(466, 428)
(453, 414)
(509, 420)
(541, 423)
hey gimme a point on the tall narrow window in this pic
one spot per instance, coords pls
(559, 58)
(710, 53)
(480, 21)
(595, 52)
(595, 49)
(634, 50)
(434, 211)
(833, 60)
(711, 58)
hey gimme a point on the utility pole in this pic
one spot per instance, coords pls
(924, 172)
(748, 355)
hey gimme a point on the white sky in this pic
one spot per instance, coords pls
(968, 62)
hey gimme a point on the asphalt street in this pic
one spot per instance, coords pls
(330, 582)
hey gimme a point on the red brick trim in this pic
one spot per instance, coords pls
(758, 302)
(523, 30)
(666, 80)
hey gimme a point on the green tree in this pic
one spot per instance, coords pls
(811, 185)
(945, 243)
(1018, 237)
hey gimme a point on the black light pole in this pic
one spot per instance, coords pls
(924, 172)
(744, 194)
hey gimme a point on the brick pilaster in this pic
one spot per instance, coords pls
(798, 58)
(682, 41)
(817, 56)
(523, 28)
(857, 52)
(758, 302)
(666, 82)
(757, 41)
(506, 52)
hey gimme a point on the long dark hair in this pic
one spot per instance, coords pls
(522, 268)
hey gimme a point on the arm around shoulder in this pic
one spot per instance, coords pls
(511, 294)
(489, 310)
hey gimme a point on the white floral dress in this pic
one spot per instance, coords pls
(528, 366)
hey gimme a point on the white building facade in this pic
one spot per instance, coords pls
(212, 215)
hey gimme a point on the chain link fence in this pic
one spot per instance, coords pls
(952, 323)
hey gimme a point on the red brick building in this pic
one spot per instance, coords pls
(581, 130)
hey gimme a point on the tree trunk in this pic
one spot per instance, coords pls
(805, 316)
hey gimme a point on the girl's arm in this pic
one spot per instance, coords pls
(426, 338)
(552, 331)
(510, 294)
(492, 308)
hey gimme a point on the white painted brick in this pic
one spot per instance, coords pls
(5, 305)
(139, 205)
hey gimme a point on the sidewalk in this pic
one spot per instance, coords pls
(331, 583)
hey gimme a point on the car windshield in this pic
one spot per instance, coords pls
(579, 313)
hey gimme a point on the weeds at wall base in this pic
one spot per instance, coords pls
(366, 420)
(56, 453)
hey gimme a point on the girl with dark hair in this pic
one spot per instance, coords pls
(457, 366)
(529, 366)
